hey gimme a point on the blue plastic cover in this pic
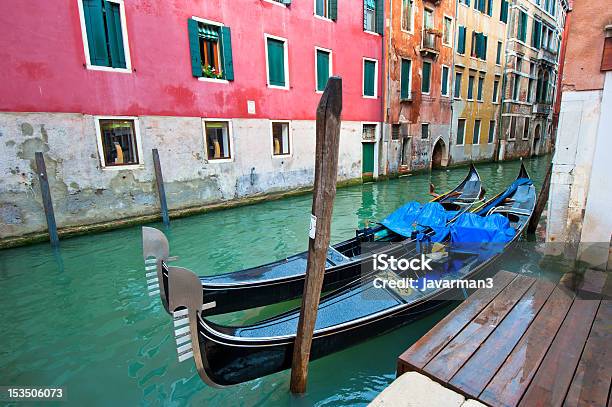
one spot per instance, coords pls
(472, 228)
(402, 219)
(412, 217)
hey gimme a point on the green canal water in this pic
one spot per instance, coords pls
(81, 318)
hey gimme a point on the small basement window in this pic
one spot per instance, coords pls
(118, 142)
(217, 140)
(280, 138)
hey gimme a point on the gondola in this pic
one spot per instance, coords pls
(226, 356)
(284, 279)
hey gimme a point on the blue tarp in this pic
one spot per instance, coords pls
(414, 217)
(472, 228)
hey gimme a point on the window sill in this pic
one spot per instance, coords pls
(281, 156)
(323, 18)
(276, 3)
(369, 97)
(219, 160)
(407, 32)
(123, 167)
(371, 33)
(456, 98)
(513, 139)
(286, 87)
(213, 80)
(108, 69)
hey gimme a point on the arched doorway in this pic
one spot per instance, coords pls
(536, 140)
(438, 156)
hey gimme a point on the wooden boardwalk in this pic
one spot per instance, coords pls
(525, 342)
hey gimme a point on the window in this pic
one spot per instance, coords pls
(210, 46)
(516, 88)
(476, 133)
(460, 131)
(405, 80)
(276, 58)
(104, 34)
(429, 35)
(323, 67)
(461, 40)
(536, 35)
(327, 9)
(479, 45)
(280, 138)
(491, 131)
(532, 73)
(217, 135)
(370, 77)
(484, 6)
(395, 131)
(458, 76)
(498, 54)
(445, 77)
(424, 130)
(521, 32)
(470, 95)
(373, 19)
(503, 12)
(118, 141)
(368, 132)
(448, 31)
(495, 91)
(479, 89)
(408, 15)
(512, 135)
(526, 129)
(426, 80)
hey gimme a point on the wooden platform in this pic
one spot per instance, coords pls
(525, 342)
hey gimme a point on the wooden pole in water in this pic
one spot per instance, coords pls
(326, 171)
(160, 188)
(541, 202)
(45, 191)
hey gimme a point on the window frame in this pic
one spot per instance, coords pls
(470, 88)
(480, 89)
(428, 130)
(230, 136)
(363, 59)
(411, 31)
(329, 51)
(289, 138)
(285, 61)
(500, 45)
(402, 59)
(479, 131)
(495, 95)
(491, 140)
(124, 33)
(464, 127)
(451, 33)
(375, 25)
(219, 48)
(511, 128)
(314, 12)
(448, 83)
(376, 131)
(100, 145)
(423, 76)
(455, 84)
(526, 129)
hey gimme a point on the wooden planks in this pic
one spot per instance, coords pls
(456, 353)
(525, 343)
(419, 354)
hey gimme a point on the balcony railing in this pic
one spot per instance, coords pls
(547, 55)
(541, 108)
(430, 42)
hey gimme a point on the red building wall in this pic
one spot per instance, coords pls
(42, 60)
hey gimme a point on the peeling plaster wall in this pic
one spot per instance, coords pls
(84, 193)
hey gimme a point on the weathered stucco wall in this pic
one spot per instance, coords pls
(83, 193)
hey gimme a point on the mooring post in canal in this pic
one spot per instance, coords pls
(160, 188)
(326, 170)
(45, 192)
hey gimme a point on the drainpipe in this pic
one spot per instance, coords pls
(452, 81)
(509, 26)
(385, 101)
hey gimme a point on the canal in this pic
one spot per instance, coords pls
(81, 319)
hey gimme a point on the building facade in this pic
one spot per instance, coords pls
(530, 76)
(225, 90)
(479, 53)
(581, 186)
(418, 99)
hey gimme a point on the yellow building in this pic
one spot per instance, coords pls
(479, 52)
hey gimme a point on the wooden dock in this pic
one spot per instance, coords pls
(525, 342)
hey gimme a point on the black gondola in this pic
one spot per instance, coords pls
(283, 280)
(226, 355)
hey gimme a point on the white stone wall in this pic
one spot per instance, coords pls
(84, 193)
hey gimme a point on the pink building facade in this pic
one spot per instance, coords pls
(226, 90)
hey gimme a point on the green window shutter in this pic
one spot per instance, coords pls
(333, 9)
(444, 80)
(276, 62)
(461, 42)
(320, 8)
(380, 17)
(458, 78)
(480, 85)
(322, 69)
(478, 38)
(470, 94)
(369, 75)
(460, 131)
(503, 15)
(226, 50)
(490, 7)
(286, 2)
(115, 35)
(194, 47)
(426, 82)
(537, 30)
(523, 27)
(484, 47)
(405, 79)
(96, 38)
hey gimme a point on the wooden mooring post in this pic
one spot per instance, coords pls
(45, 192)
(160, 188)
(326, 170)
